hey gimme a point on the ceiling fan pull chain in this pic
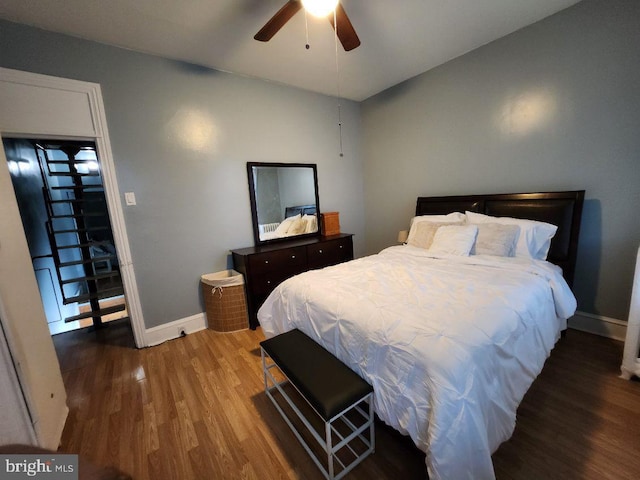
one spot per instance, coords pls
(306, 29)
(340, 129)
(335, 38)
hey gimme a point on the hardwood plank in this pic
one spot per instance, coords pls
(579, 419)
(194, 408)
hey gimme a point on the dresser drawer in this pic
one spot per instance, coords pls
(265, 283)
(330, 253)
(282, 261)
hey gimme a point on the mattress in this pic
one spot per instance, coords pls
(450, 344)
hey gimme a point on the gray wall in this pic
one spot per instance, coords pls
(181, 136)
(296, 187)
(554, 106)
(267, 191)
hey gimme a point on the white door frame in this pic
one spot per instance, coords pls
(34, 105)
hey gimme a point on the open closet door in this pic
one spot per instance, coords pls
(25, 328)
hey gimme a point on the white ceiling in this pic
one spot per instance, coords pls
(400, 38)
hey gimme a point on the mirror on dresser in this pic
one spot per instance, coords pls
(284, 201)
(280, 193)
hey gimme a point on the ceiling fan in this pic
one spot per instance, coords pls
(345, 31)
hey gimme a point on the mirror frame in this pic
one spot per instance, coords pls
(254, 209)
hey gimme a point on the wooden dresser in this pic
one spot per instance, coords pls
(266, 266)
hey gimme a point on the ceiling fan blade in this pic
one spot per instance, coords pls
(346, 33)
(278, 20)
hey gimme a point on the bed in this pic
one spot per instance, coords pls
(450, 342)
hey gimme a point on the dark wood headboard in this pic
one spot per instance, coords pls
(299, 209)
(563, 209)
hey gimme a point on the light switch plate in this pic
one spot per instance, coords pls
(130, 198)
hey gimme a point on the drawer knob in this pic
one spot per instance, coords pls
(266, 261)
(319, 251)
(268, 282)
(341, 246)
(293, 256)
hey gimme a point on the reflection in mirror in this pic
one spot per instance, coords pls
(284, 200)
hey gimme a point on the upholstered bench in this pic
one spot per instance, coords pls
(336, 394)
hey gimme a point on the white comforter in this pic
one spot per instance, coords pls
(450, 344)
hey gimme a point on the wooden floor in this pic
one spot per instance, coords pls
(194, 408)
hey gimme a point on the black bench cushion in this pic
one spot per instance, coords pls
(327, 384)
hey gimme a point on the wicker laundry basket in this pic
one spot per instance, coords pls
(225, 301)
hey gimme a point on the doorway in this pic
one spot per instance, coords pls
(60, 194)
(39, 106)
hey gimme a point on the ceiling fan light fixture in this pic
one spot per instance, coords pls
(320, 8)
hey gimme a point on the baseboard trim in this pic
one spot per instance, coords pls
(599, 325)
(169, 331)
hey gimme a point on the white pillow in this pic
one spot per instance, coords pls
(534, 239)
(312, 223)
(423, 233)
(455, 217)
(454, 240)
(496, 239)
(297, 226)
(284, 226)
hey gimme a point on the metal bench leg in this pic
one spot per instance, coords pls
(327, 427)
(372, 433)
